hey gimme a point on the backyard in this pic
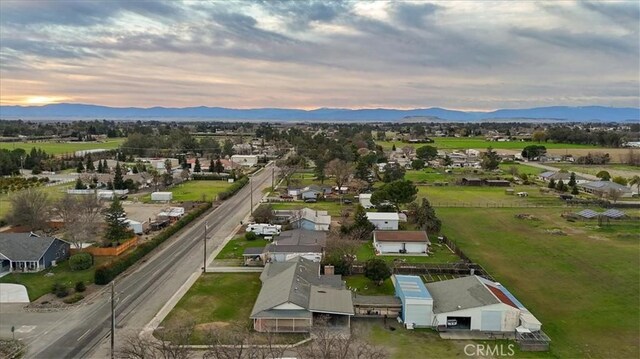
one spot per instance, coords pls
(334, 208)
(195, 191)
(55, 148)
(235, 247)
(577, 278)
(441, 254)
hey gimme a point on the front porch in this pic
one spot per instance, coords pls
(9, 266)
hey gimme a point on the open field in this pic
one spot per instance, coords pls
(583, 286)
(615, 170)
(55, 148)
(470, 196)
(38, 284)
(54, 192)
(618, 155)
(195, 191)
(216, 301)
(430, 175)
(479, 143)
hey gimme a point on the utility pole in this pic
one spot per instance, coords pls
(273, 181)
(204, 260)
(251, 195)
(113, 320)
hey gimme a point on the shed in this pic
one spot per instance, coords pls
(401, 241)
(497, 183)
(161, 196)
(471, 181)
(135, 226)
(384, 220)
(365, 200)
(417, 302)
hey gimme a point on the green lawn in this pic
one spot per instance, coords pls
(363, 285)
(583, 286)
(195, 191)
(333, 208)
(54, 148)
(628, 170)
(216, 300)
(470, 196)
(529, 170)
(236, 246)
(480, 143)
(38, 284)
(441, 254)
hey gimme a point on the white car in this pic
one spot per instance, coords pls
(523, 194)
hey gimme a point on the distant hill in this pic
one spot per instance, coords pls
(555, 113)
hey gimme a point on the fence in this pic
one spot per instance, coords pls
(108, 251)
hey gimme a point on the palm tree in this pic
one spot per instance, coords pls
(635, 181)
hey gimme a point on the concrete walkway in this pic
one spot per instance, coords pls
(13, 293)
(234, 269)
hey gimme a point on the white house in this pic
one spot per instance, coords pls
(281, 253)
(401, 242)
(310, 219)
(384, 220)
(245, 160)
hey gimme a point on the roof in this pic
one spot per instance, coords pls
(312, 215)
(606, 186)
(472, 179)
(411, 286)
(496, 181)
(400, 236)
(294, 248)
(253, 251)
(613, 213)
(301, 237)
(24, 246)
(371, 300)
(460, 293)
(365, 195)
(587, 213)
(295, 282)
(380, 216)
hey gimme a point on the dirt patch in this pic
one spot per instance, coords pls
(206, 327)
(526, 216)
(556, 232)
(598, 238)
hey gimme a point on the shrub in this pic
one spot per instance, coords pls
(250, 236)
(235, 187)
(80, 261)
(74, 298)
(80, 287)
(60, 290)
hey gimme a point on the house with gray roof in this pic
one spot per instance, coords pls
(289, 245)
(28, 252)
(294, 294)
(603, 188)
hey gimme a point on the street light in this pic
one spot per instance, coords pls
(204, 260)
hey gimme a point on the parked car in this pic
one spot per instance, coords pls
(523, 194)
(286, 196)
(347, 201)
(310, 200)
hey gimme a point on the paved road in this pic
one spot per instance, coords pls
(141, 292)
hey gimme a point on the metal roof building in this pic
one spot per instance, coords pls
(417, 303)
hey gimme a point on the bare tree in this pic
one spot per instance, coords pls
(136, 347)
(30, 208)
(172, 343)
(341, 172)
(614, 195)
(80, 216)
(408, 151)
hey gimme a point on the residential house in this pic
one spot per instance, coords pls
(365, 200)
(384, 220)
(29, 252)
(289, 245)
(603, 188)
(416, 242)
(560, 176)
(310, 219)
(294, 295)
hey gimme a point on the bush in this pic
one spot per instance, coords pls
(107, 272)
(235, 187)
(250, 236)
(80, 261)
(80, 287)
(74, 298)
(60, 290)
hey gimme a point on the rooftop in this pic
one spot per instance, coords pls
(460, 293)
(24, 246)
(411, 286)
(400, 236)
(389, 216)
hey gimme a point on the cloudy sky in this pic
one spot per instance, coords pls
(457, 54)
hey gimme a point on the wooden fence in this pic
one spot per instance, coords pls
(108, 251)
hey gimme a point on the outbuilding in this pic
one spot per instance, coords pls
(386, 221)
(417, 303)
(161, 196)
(401, 242)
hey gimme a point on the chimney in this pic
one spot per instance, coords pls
(328, 270)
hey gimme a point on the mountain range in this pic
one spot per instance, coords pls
(554, 113)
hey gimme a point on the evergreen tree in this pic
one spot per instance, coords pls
(393, 147)
(212, 166)
(105, 166)
(490, 160)
(118, 181)
(90, 166)
(219, 166)
(80, 167)
(572, 180)
(100, 168)
(425, 216)
(560, 186)
(117, 228)
(197, 167)
(79, 184)
(574, 191)
(552, 184)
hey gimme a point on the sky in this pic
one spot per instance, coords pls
(467, 55)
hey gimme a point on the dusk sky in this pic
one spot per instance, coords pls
(467, 55)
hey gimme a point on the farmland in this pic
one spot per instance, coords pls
(56, 148)
(459, 196)
(615, 170)
(460, 143)
(580, 285)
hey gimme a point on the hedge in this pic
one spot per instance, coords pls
(80, 261)
(107, 272)
(234, 188)
(208, 177)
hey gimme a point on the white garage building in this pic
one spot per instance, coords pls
(415, 242)
(417, 303)
(386, 221)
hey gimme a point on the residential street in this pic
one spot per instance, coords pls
(141, 292)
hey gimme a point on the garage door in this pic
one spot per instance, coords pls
(491, 320)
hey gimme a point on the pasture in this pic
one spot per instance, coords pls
(58, 148)
(195, 191)
(479, 143)
(615, 170)
(469, 196)
(583, 285)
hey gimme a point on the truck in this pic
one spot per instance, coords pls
(264, 229)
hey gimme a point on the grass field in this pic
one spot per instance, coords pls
(479, 143)
(333, 208)
(431, 175)
(38, 284)
(195, 191)
(235, 247)
(55, 192)
(215, 301)
(583, 286)
(363, 285)
(615, 169)
(468, 196)
(55, 148)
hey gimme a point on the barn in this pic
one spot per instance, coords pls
(417, 303)
(401, 241)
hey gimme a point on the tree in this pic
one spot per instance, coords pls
(117, 228)
(319, 170)
(614, 194)
(447, 161)
(341, 172)
(561, 186)
(533, 151)
(393, 147)
(417, 164)
(574, 191)
(427, 153)
(212, 165)
(620, 180)
(340, 253)
(539, 136)
(168, 167)
(513, 170)
(80, 167)
(490, 160)
(105, 166)
(635, 181)
(263, 214)
(79, 184)
(29, 208)
(572, 180)
(227, 148)
(361, 228)
(197, 167)
(90, 167)
(118, 181)
(425, 216)
(397, 193)
(219, 166)
(603, 175)
(100, 167)
(552, 184)
(393, 172)
(377, 270)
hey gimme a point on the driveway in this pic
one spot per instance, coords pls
(13, 293)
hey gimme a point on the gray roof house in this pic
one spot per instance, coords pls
(604, 187)
(28, 252)
(289, 245)
(294, 294)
